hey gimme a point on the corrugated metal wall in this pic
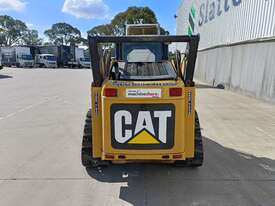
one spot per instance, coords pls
(247, 68)
(225, 56)
(251, 19)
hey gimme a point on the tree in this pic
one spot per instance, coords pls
(12, 30)
(63, 34)
(104, 29)
(48, 44)
(15, 32)
(31, 37)
(163, 31)
(133, 15)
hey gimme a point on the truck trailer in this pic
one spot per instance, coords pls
(16, 56)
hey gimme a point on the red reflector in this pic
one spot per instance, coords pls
(109, 92)
(175, 92)
(177, 156)
(109, 156)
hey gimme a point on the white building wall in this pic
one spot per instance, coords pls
(251, 19)
(247, 68)
(236, 48)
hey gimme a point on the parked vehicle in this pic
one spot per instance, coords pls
(62, 54)
(79, 58)
(17, 56)
(83, 60)
(46, 60)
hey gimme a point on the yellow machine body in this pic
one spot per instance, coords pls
(182, 146)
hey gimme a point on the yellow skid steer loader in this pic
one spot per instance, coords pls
(143, 104)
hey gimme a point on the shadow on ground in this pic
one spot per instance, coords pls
(5, 76)
(42, 68)
(228, 177)
(206, 86)
(65, 68)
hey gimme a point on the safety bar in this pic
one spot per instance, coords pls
(95, 59)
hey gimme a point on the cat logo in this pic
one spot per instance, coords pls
(135, 126)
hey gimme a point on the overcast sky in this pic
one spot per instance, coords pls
(84, 14)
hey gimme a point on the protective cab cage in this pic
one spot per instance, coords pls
(188, 73)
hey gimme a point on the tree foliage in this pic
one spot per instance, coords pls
(15, 32)
(133, 15)
(163, 31)
(12, 30)
(63, 34)
(105, 29)
(31, 37)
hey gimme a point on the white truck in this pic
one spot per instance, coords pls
(16, 56)
(79, 59)
(46, 61)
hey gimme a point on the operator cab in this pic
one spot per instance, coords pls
(138, 71)
(142, 61)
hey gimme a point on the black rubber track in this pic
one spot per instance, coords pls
(197, 161)
(87, 147)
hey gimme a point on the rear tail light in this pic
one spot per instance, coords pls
(175, 92)
(109, 156)
(110, 92)
(177, 156)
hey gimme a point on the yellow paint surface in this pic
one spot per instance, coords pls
(144, 138)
